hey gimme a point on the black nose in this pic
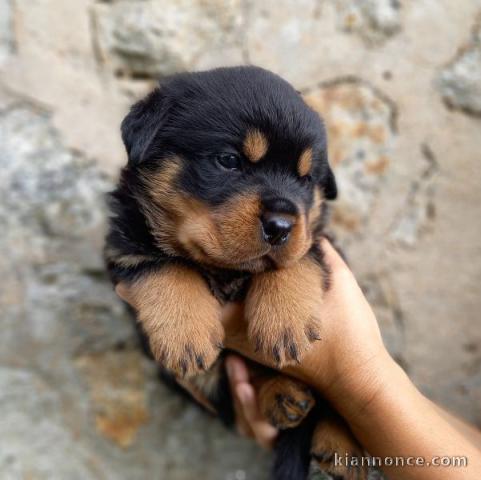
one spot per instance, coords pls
(276, 228)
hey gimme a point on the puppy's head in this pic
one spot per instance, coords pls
(232, 168)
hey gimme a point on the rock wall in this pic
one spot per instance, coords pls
(399, 86)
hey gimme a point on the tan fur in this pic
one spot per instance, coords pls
(115, 256)
(203, 386)
(331, 437)
(282, 308)
(160, 203)
(180, 317)
(304, 164)
(255, 145)
(300, 240)
(227, 236)
(285, 402)
(315, 211)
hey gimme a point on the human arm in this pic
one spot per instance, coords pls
(352, 369)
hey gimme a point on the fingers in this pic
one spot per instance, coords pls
(339, 269)
(331, 255)
(249, 420)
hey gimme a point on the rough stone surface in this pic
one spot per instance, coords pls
(361, 123)
(373, 20)
(460, 81)
(419, 212)
(158, 38)
(6, 30)
(72, 375)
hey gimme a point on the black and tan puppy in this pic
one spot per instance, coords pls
(223, 199)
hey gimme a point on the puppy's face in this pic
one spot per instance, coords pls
(230, 167)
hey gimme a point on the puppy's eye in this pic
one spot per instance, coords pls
(228, 161)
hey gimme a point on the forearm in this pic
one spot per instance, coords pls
(467, 430)
(395, 420)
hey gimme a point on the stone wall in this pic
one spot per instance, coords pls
(399, 85)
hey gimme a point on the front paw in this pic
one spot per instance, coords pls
(284, 338)
(187, 346)
(280, 330)
(282, 309)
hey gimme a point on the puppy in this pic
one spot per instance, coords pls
(224, 199)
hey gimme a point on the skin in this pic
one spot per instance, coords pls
(352, 369)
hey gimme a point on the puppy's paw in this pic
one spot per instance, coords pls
(180, 317)
(335, 452)
(283, 337)
(282, 308)
(187, 348)
(285, 402)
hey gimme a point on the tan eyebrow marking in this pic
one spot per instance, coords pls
(255, 145)
(305, 162)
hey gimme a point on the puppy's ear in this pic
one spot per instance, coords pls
(140, 127)
(328, 181)
(330, 185)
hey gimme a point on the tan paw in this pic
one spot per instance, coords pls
(334, 451)
(188, 348)
(284, 341)
(285, 402)
(282, 309)
(181, 319)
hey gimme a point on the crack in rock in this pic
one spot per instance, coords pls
(419, 211)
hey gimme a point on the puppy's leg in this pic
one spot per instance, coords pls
(211, 390)
(282, 308)
(284, 401)
(335, 451)
(180, 317)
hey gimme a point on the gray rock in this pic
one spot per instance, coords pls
(381, 294)
(7, 38)
(375, 21)
(78, 398)
(460, 81)
(419, 210)
(361, 124)
(150, 38)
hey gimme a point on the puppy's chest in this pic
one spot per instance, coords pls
(227, 285)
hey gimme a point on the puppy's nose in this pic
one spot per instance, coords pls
(276, 228)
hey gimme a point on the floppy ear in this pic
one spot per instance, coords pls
(142, 124)
(330, 185)
(327, 181)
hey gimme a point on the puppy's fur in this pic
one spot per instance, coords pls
(223, 199)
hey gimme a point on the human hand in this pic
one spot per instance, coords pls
(345, 363)
(249, 420)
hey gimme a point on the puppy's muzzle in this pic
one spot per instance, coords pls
(277, 219)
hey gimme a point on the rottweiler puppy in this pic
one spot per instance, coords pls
(224, 199)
